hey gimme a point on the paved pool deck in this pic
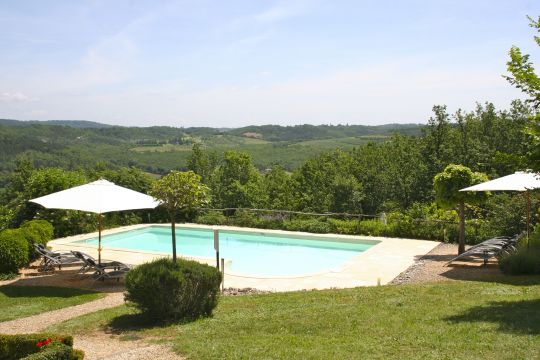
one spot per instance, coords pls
(379, 264)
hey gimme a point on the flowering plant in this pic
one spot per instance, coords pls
(42, 343)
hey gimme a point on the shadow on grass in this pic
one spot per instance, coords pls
(14, 291)
(490, 273)
(137, 321)
(520, 317)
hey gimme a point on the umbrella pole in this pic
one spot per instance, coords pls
(99, 238)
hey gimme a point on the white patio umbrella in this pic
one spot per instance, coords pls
(524, 181)
(98, 197)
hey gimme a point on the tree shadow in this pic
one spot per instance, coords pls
(490, 273)
(138, 321)
(521, 317)
(15, 291)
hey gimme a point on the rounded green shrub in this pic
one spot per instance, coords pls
(168, 291)
(36, 232)
(13, 251)
(522, 262)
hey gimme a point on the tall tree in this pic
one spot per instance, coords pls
(202, 162)
(447, 185)
(179, 191)
(236, 182)
(524, 77)
(277, 185)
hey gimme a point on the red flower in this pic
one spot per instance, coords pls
(39, 344)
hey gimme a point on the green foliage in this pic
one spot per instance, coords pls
(448, 184)
(43, 182)
(13, 251)
(212, 218)
(26, 347)
(36, 232)
(180, 191)
(524, 77)
(524, 261)
(309, 225)
(173, 291)
(277, 185)
(236, 182)
(202, 162)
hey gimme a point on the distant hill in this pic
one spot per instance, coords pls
(78, 124)
(315, 132)
(158, 149)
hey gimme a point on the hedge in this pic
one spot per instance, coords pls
(13, 251)
(38, 347)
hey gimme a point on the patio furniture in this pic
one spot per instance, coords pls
(90, 263)
(115, 271)
(489, 248)
(50, 259)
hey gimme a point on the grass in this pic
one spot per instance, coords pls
(21, 301)
(459, 320)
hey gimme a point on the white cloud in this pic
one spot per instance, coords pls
(9, 97)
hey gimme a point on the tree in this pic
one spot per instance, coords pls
(277, 186)
(202, 162)
(179, 191)
(345, 194)
(447, 185)
(236, 183)
(524, 77)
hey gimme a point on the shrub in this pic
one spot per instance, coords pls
(13, 251)
(372, 228)
(320, 226)
(36, 232)
(348, 227)
(170, 291)
(525, 261)
(38, 347)
(522, 262)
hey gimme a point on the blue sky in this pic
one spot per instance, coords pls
(234, 63)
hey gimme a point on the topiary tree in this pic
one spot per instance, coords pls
(13, 251)
(179, 191)
(447, 185)
(167, 290)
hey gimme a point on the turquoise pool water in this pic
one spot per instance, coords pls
(250, 253)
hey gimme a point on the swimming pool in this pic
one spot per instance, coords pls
(249, 253)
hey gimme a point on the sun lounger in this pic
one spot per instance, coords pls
(114, 274)
(116, 270)
(489, 248)
(90, 263)
(50, 259)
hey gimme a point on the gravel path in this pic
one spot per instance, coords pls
(97, 345)
(433, 267)
(37, 323)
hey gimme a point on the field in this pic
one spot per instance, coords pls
(458, 320)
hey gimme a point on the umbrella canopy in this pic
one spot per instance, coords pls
(518, 181)
(98, 197)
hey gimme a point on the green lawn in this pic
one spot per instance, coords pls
(21, 301)
(460, 320)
